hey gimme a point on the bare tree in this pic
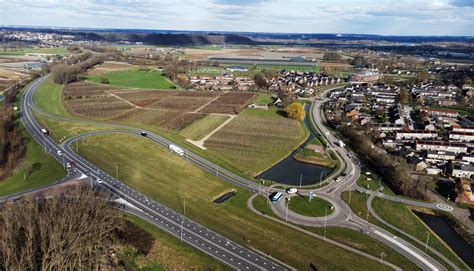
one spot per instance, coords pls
(70, 232)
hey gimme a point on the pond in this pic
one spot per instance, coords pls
(290, 171)
(450, 236)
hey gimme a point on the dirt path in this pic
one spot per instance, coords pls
(206, 104)
(200, 143)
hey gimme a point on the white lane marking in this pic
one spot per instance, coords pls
(407, 249)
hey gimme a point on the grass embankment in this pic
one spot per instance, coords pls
(139, 162)
(365, 243)
(30, 50)
(48, 97)
(313, 157)
(135, 79)
(168, 253)
(23, 178)
(369, 183)
(401, 217)
(316, 208)
(202, 127)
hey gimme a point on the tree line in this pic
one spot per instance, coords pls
(397, 173)
(12, 145)
(68, 72)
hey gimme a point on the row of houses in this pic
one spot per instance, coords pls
(301, 83)
(223, 83)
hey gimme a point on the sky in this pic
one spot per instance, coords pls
(385, 17)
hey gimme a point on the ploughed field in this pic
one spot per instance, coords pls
(165, 109)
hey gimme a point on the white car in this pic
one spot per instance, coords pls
(68, 165)
(60, 153)
(99, 180)
(291, 190)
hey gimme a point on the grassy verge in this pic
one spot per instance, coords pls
(62, 129)
(312, 157)
(30, 50)
(168, 253)
(140, 161)
(316, 208)
(358, 205)
(23, 178)
(365, 243)
(202, 127)
(400, 216)
(134, 79)
(368, 183)
(263, 99)
(48, 97)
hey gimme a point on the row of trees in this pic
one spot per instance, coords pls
(70, 232)
(66, 73)
(397, 174)
(12, 147)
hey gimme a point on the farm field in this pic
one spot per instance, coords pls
(171, 110)
(202, 127)
(134, 78)
(31, 50)
(9, 77)
(110, 66)
(254, 142)
(139, 160)
(166, 252)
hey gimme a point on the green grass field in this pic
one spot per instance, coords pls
(50, 170)
(202, 127)
(24, 51)
(48, 97)
(207, 71)
(261, 67)
(139, 161)
(134, 79)
(365, 243)
(400, 216)
(316, 208)
(169, 253)
(403, 218)
(368, 184)
(263, 99)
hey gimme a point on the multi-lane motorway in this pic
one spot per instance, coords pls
(197, 235)
(187, 230)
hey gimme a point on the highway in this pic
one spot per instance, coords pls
(202, 238)
(188, 231)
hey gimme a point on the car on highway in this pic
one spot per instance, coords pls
(68, 165)
(291, 190)
(60, 153)
(143, 133)
(98, 180)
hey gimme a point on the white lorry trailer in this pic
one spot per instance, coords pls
(176, 149)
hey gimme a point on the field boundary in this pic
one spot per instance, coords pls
(200, 143)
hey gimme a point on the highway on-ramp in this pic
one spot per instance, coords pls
(229, 252)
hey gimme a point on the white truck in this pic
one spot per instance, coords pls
(176, 149)
(340, 144)
(44, 131)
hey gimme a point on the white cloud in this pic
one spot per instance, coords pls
(391, 17)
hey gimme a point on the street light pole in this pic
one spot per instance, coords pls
(427, 239)
(287, 204)
(381, 257)
(325, 217)
(350, 192)
(301, 179)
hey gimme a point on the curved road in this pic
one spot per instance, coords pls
(210, 242)
(225, 250)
